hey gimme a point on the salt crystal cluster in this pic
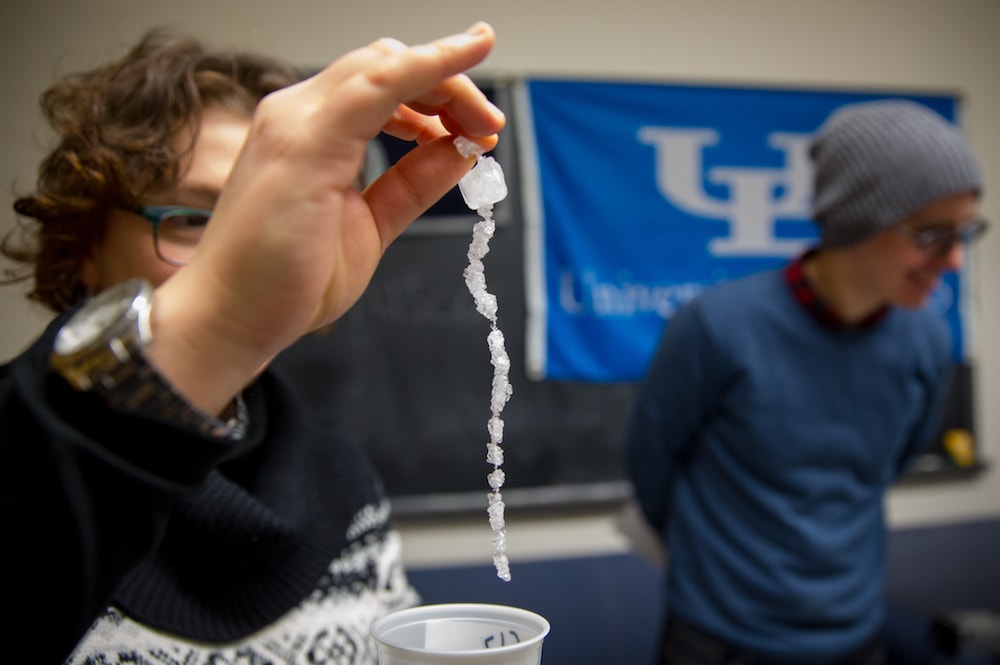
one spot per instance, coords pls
(482, 187)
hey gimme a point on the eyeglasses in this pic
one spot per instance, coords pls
(939, 240)
(176, 230)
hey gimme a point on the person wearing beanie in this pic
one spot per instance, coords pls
(780, 407)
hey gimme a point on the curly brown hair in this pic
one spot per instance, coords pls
(115, 126)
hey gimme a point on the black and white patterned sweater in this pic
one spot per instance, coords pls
(131, 541)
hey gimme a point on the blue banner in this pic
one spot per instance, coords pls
(639, 196)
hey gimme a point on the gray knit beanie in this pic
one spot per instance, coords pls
(878, 162)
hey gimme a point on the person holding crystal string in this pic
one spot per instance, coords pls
(779, 408)
(167, 500)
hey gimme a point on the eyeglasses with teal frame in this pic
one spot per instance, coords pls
(177, 230)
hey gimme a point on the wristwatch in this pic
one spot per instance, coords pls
(100, 350)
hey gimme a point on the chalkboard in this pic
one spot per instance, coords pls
(407, 372)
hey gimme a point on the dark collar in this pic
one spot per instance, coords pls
(807, 296)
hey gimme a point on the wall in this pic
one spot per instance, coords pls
(908, 44)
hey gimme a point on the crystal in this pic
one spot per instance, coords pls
(484, 185)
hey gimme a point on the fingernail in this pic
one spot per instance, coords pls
(478, 28)
(472, 35)
(495, 110)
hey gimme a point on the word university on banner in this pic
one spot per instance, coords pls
(639, 196)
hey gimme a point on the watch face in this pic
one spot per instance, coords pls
(91, 323)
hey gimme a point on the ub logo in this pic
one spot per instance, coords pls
(758, 197)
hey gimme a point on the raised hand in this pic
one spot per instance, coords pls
(293, 244)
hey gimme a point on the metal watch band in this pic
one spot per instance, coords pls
(138, 388)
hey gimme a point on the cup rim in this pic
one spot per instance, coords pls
(462, 611)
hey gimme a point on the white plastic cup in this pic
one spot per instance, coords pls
(468, 633)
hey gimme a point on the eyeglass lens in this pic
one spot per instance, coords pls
(178, 234)
(940, 240)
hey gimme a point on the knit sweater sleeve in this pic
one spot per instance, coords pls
(86, 496)
(681, 389)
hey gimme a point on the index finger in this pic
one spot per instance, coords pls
(410, 125)
(459, 104)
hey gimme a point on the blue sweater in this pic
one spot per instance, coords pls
(761, 449)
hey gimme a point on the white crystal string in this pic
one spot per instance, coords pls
(482, 187)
